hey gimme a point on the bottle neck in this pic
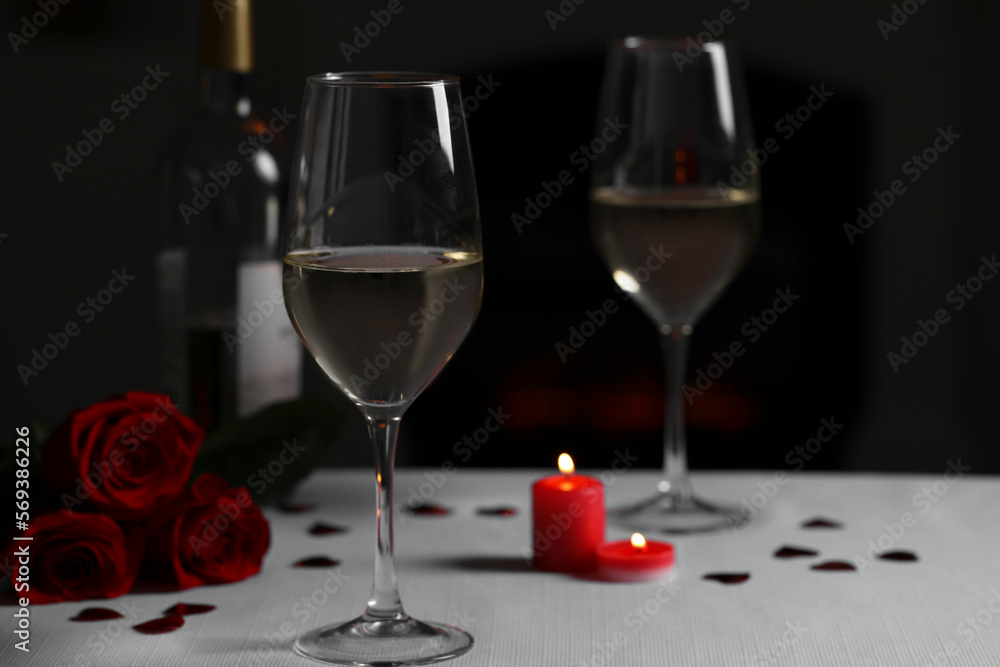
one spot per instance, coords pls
(224, 91)
(226, 56)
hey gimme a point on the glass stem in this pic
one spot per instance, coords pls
(675, 473)
(384, 604)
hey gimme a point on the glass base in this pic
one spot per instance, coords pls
(673, 513)
(393, 642)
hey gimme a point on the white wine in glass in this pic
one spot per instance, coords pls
(382, 322)
(707, 235)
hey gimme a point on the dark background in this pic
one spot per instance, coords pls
(825, 358)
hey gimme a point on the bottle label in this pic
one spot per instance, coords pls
(269, 357)
(170, 267)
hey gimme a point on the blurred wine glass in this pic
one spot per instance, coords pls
(674, 215)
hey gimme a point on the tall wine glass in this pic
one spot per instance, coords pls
(383, 279)
(674, 214)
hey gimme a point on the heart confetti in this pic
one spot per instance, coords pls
(820, 522)
(320, 528)
(317, 561)
(184, 609)
(295, 508)
(160, 626)
(794, 552)
(429, 510)
(96, 614)
(728, 577)
(834, 565)
(497, 511)
(899, 556)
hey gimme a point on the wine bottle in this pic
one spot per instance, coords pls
(227, 346)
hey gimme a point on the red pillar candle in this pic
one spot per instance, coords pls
(634, 560)
(568, 520)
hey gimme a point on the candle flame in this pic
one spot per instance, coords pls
(638, 541)
(566, 464)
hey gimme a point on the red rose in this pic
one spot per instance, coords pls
(123, 456)
(213, 534)
(74, 556)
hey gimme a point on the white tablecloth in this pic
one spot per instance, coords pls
(469, 570)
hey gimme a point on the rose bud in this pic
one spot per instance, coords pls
(124, 456)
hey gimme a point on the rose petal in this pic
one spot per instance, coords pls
(208, 487)
(96, 614)
(185, 609)
(86, 439)
(428, 509)
(497, 511)
(295, 508)
(160, 626)
(794, 552)
(320, 528)
(728, 577)
(834, 566)
(901, 556)
(317, 561)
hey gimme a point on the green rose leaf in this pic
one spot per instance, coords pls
(271, 450)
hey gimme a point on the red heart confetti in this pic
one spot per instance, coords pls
(317, 561)
(160, 626)
(820, 522)
(898, 556)
(728, 577)
(497, 511)
(96, 614)
(834, 565)
(794, 552)
(429, 510)
(295, 508)
(185, 609)
(320, 528)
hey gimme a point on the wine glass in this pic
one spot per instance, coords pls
(674, 215)
(383, 280)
